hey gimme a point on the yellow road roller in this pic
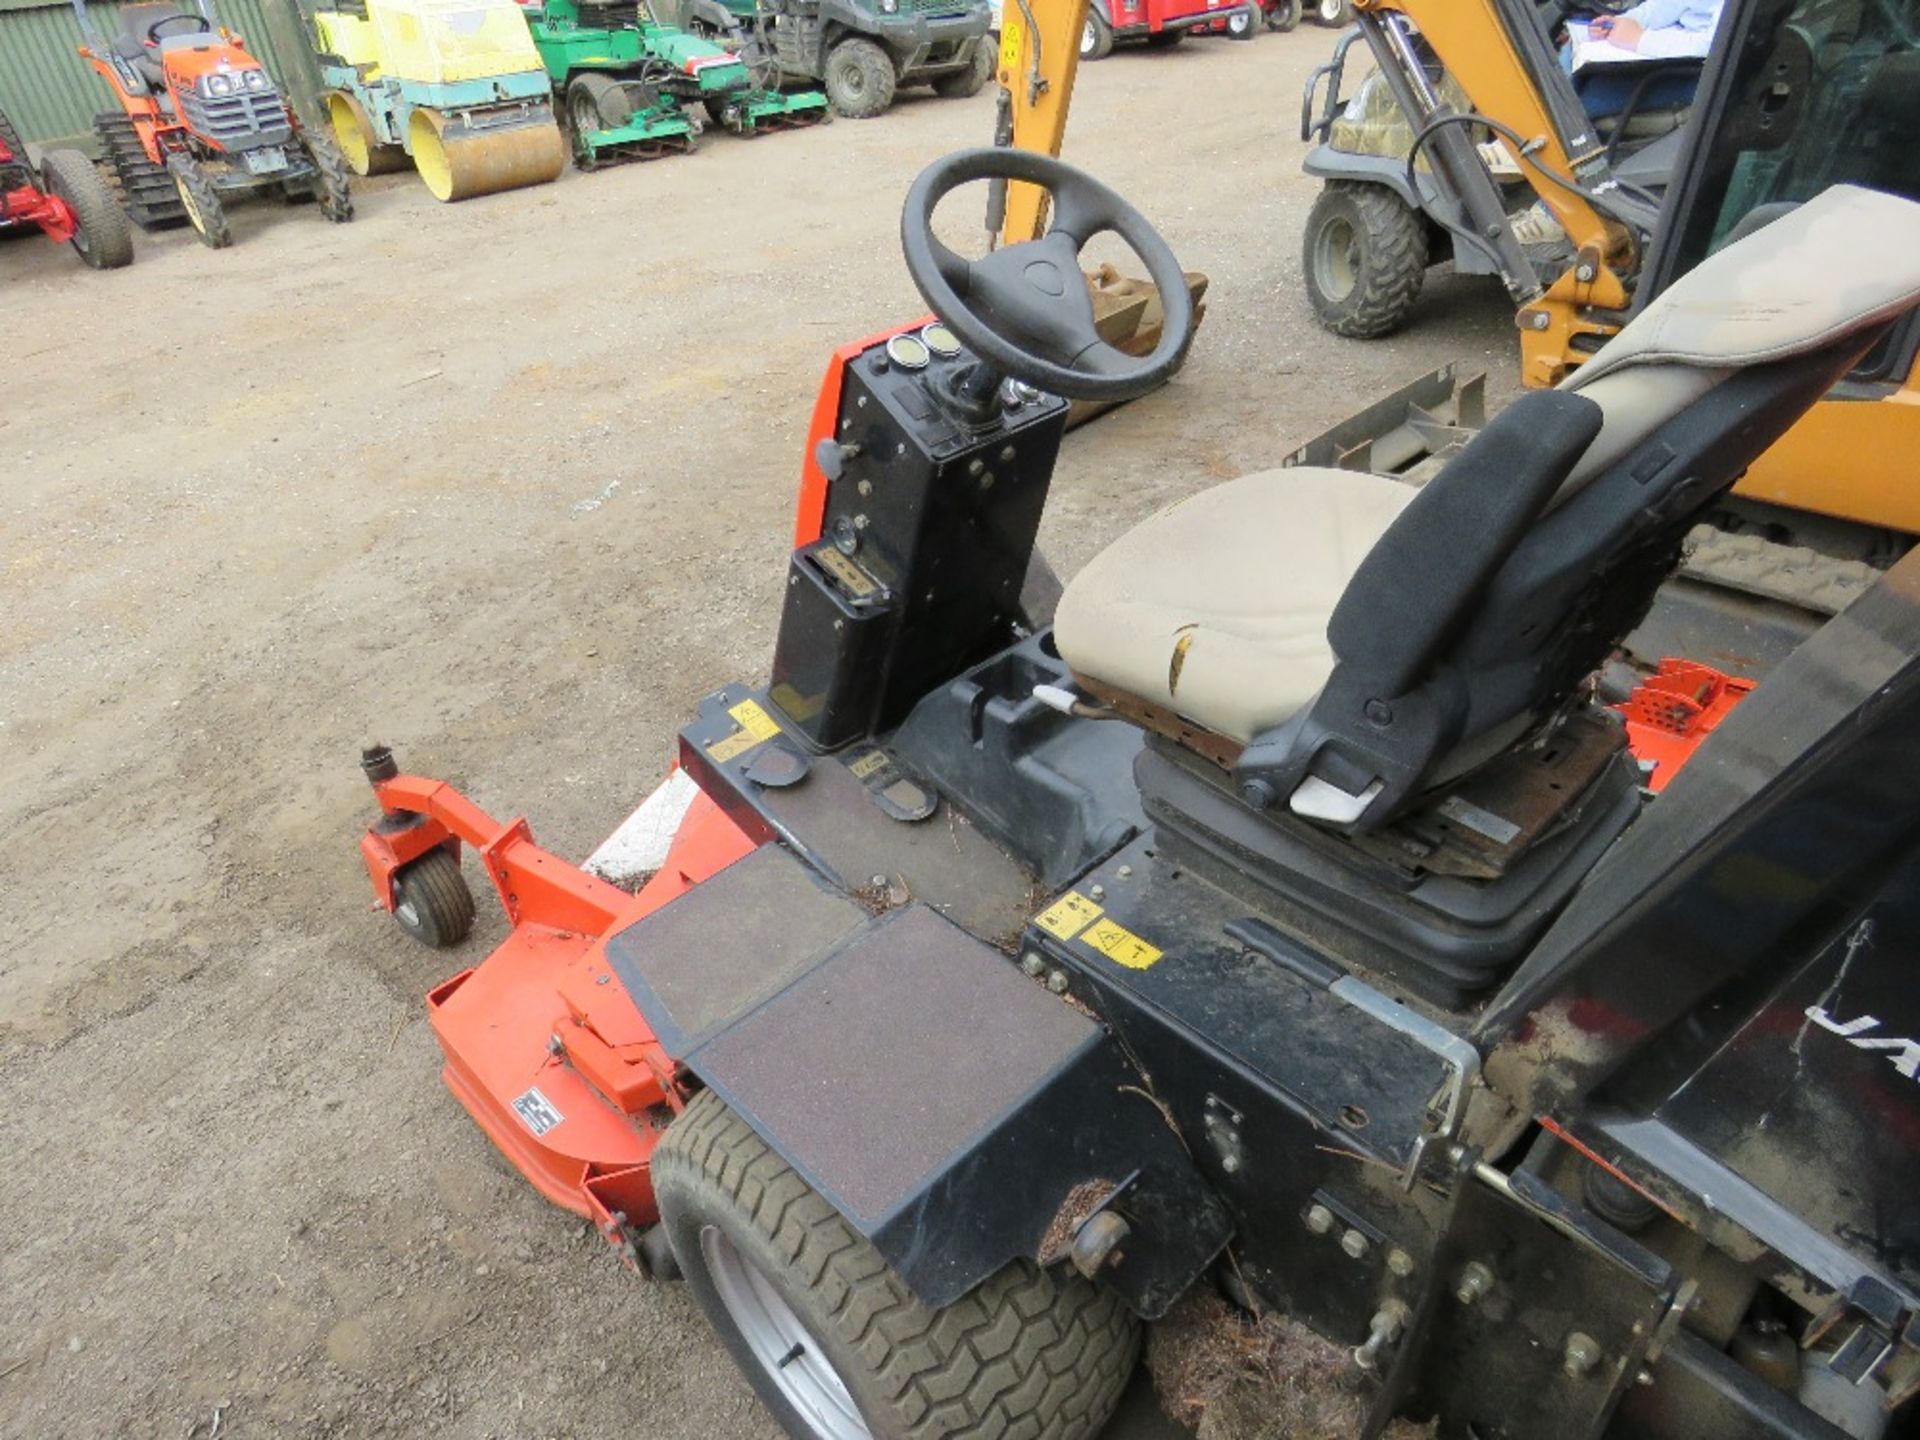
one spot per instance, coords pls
(455, 85)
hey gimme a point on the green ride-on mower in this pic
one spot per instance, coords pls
(625, 82)
(861, 51)
(1286, 916)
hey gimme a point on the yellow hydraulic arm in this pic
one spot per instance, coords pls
(1039, 58)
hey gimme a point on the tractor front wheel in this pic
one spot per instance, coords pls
(859, 79)
(201, 201)
(833, 1341)
(1365, 258)
(103, 236)
(431, 901)
(1096, 37)
(964, 83)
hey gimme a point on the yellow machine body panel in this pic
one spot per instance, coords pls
(1851, 456)
(447, 42)
(352, 38)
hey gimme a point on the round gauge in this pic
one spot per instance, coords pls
(939, 339)
(907, 352)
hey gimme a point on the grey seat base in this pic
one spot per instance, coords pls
(1440, 936)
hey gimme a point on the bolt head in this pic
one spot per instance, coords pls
(1097, 892)
(1400, 1262)
(1354, 1244)
(1379, 712)
(1033, 963)
(1581, 1355)
(1474, 1282)
(1057, 982)
(1319, 1219)
(1230, 1163)
(1126, 872)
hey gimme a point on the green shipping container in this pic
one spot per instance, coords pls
(52, 94)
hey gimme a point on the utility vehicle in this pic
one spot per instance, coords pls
(1285, 913)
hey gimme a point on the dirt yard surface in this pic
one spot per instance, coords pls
(506, 485)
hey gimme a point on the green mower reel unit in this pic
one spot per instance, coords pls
(624, 83)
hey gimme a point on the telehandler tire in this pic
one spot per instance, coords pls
(833, 1341)
(1364, 258)
(431, 901)
(859, 79)
(103, 236)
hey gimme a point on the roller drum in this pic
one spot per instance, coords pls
(359, 146)
(458, 161)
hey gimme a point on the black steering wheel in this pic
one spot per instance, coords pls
(200, 23)
(1025, 308)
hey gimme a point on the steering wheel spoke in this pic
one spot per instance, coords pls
(1026, 309)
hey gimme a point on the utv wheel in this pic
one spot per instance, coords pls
(1242, 24)
(1365, 257)
(1333, 12)
(201, 202)
(1283, 16)
(964, 83)
(859, 79)
(1096, 37)
(334, 189)
(431, 901)
(833, 1341)
(104, 236)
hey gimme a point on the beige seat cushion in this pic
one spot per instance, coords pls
(1217, 607)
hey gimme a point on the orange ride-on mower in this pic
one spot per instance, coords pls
(201, 122)
(1285, 915)
(65, 199)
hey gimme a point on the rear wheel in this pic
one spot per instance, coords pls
(1333, 12)
(431, 901)
(103, 236)
(335, 189)
(201, 201)
(1365, 258)
(1242, 23)
(1096, 37)
(795, 1294)
(963, 83)
(1283, 15)
(859, 79)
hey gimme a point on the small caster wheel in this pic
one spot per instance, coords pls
(431, 900)
(656, 1255)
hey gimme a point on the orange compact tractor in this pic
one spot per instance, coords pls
(64, 198)
(201, 120)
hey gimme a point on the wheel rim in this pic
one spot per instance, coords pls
(853, 80)
(1336, 258)
(190, 205)
(783, 1346)
(406, 912)
(586, 113)
(1330, 10)
(1088, 38)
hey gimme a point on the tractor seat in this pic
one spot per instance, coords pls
(131, 43)
(1255, 610)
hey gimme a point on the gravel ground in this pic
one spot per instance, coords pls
(505, 484)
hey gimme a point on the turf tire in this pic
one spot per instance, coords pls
(1096, 37)
(104, 237)
(431, 901)
(1029, 1352)
(859, 79)
(1364, 258)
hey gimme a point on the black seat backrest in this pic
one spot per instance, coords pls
(1521, 599)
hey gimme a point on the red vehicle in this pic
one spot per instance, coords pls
(1162, 23)
(199, 120)
(65, 199)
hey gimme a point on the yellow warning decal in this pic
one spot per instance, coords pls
(755, 725)
(755, 721)
(868, 764)
(1121, 945)
(1009, 42)
(1068, 915)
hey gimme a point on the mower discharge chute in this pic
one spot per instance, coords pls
(1284, 913)
(454, 85)
(200, 122)
(64, 198)
(625, 82)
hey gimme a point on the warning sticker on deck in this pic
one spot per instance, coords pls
(1009, 42)
(537, 1111)
(755, 725)
(1068, 915)
(1120, 945)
